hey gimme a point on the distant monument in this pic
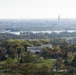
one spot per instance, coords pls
(58, 20)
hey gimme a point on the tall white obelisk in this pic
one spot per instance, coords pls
(58, 20)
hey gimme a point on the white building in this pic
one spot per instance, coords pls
(38, 48)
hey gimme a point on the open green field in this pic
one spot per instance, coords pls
(48, 62)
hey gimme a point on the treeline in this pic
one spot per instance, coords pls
(18, 48)
(30, 35)
(27, 69)
(14, 48)
(48, 36)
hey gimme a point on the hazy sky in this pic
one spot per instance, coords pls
(18, 9)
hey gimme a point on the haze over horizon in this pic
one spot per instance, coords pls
(31, 9)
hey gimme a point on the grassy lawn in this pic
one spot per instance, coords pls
(2, 62)
(48, 62)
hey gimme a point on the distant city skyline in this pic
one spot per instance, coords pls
(31, 9)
